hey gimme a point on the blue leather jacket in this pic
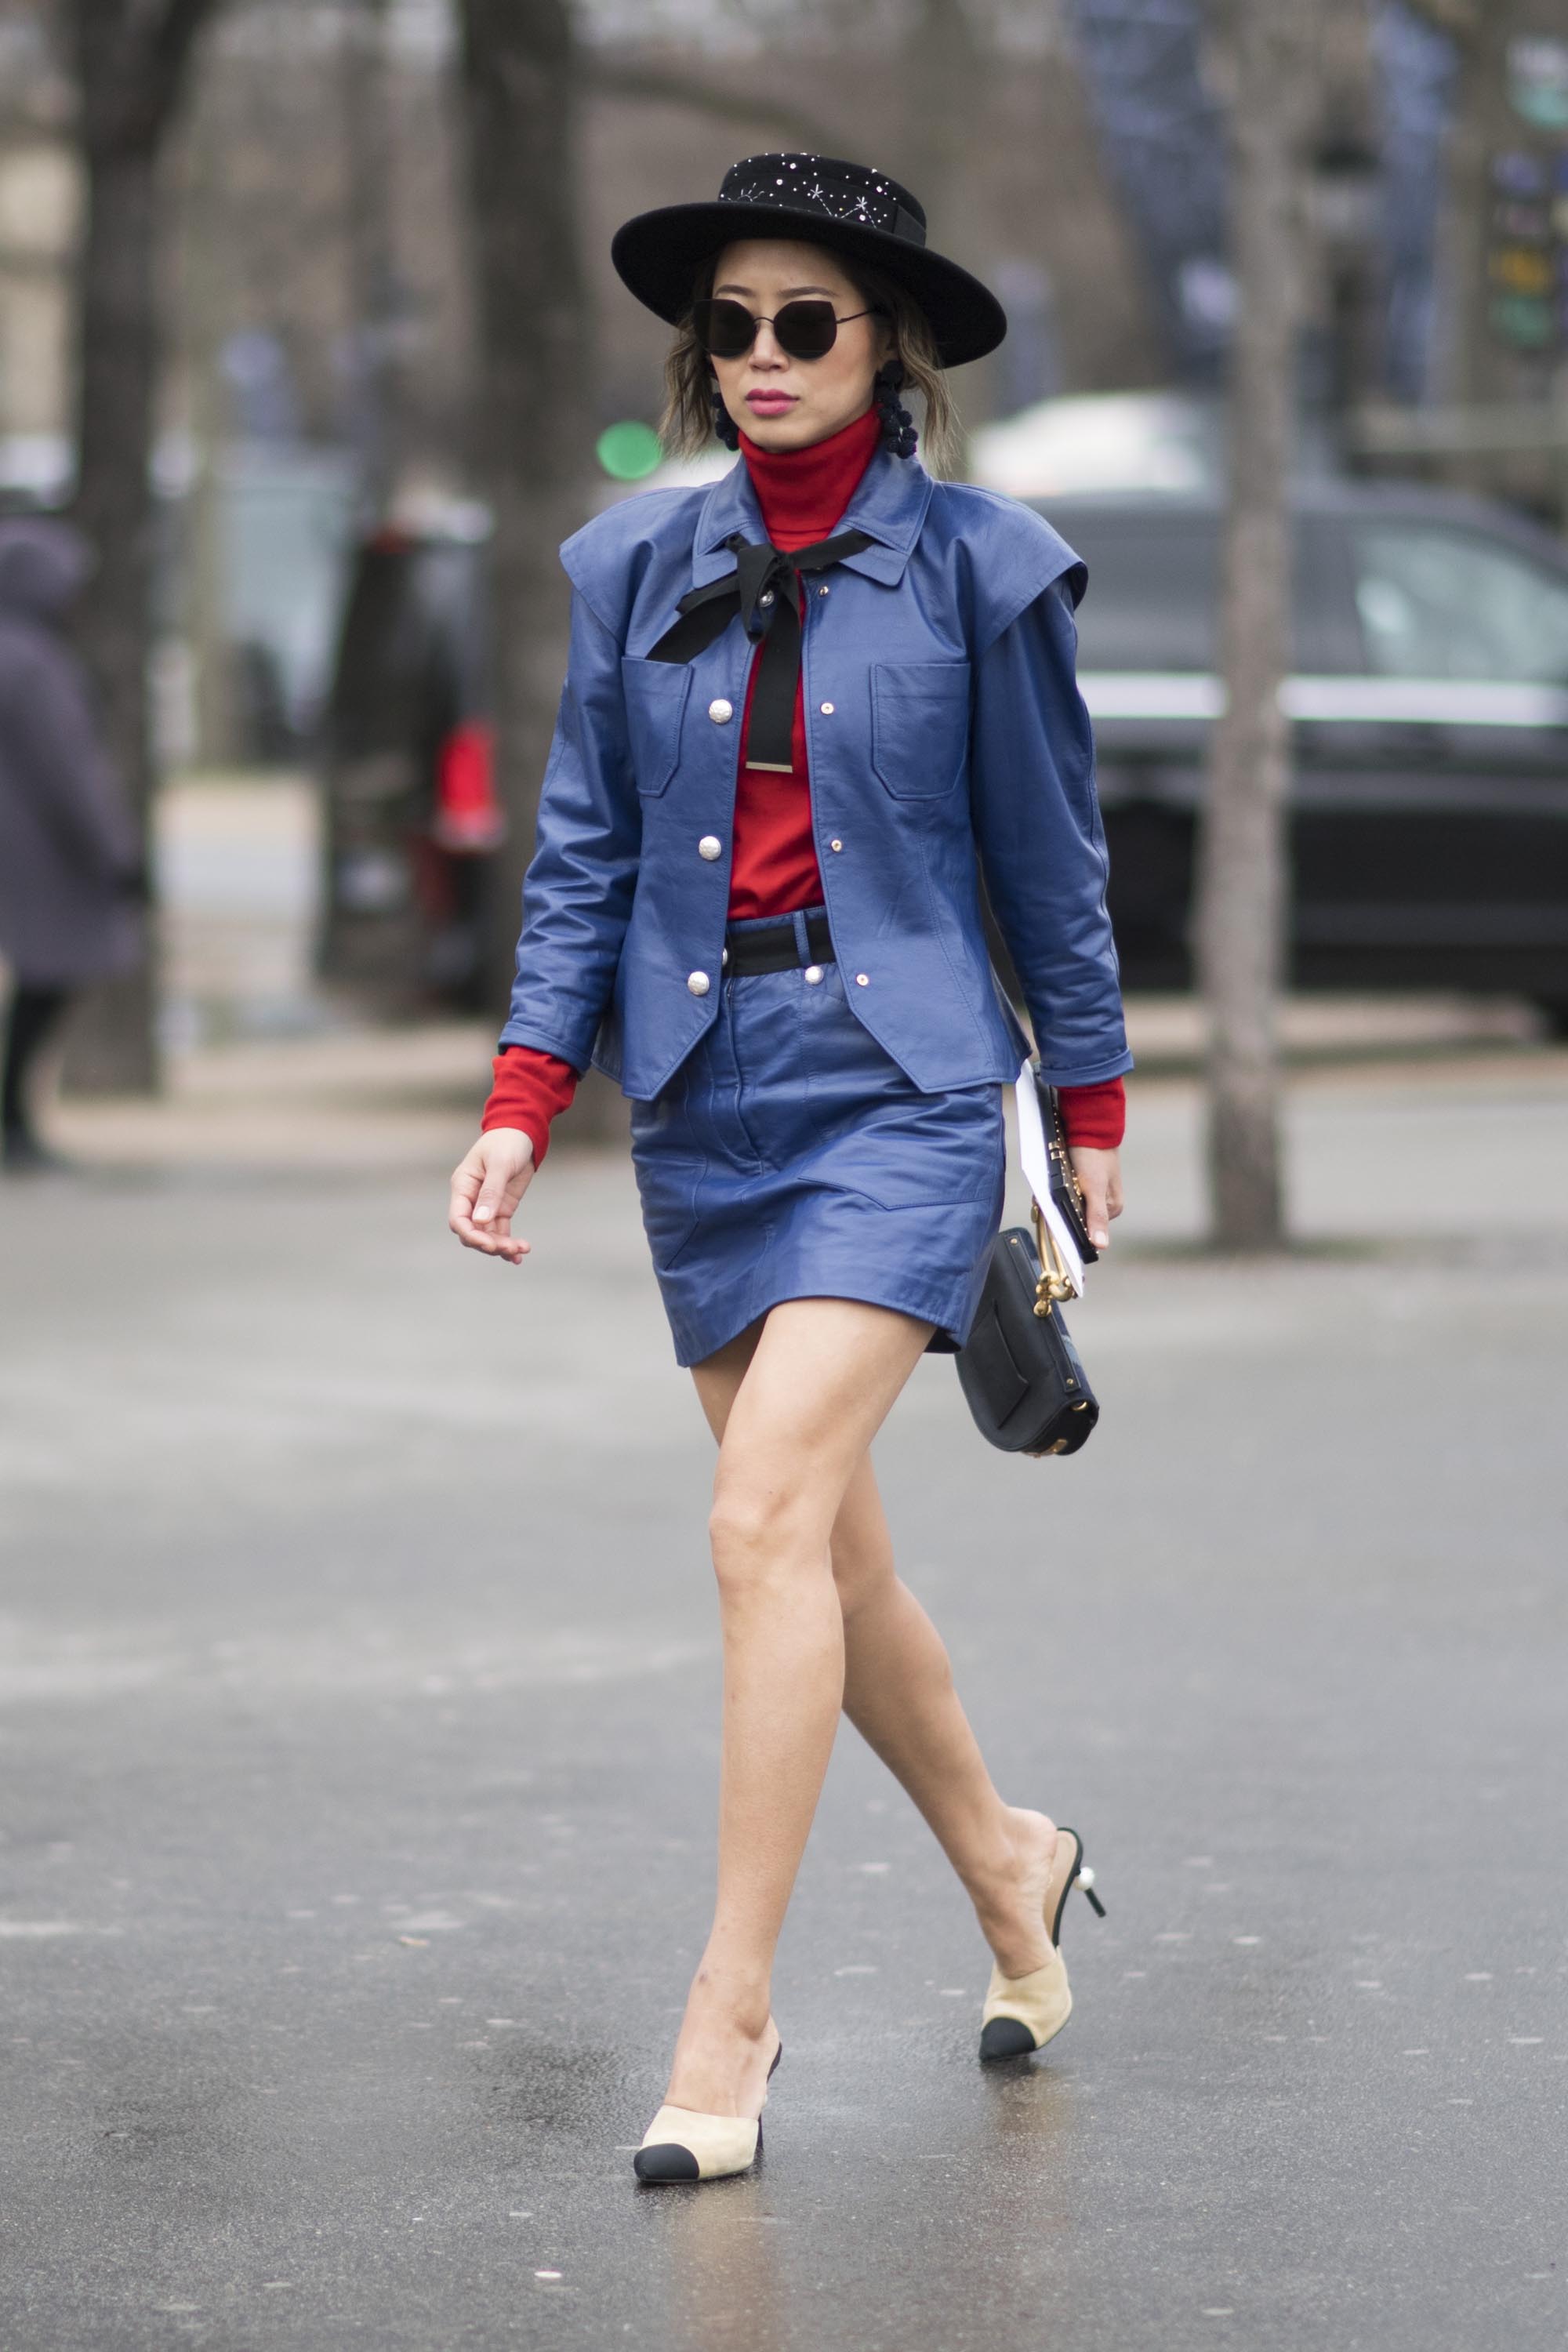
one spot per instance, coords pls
(945, 736)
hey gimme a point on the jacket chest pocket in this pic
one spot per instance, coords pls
(920, 727)
(656, 697)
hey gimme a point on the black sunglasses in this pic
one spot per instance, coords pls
(805, 331)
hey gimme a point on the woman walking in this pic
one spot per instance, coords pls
(755, 902)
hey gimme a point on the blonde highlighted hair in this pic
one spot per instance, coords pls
(686, 427)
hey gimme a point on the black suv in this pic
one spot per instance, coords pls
(1429, 692)
(1429, 819)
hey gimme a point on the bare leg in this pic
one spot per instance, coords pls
(812, 1390)
(899, 1693)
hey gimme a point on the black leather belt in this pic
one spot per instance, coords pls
(776, 947)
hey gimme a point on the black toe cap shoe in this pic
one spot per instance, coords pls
(666, 2162)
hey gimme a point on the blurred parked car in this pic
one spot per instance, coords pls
(411, 812)
(1429, 815)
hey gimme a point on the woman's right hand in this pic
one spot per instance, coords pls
(487, 1185)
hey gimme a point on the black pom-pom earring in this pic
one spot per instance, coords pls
(724, 424)
(899, 433)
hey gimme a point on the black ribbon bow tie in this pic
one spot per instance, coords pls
(764, 588)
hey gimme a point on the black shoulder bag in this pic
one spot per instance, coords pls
(1020, 1372)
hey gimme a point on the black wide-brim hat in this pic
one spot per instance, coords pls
(850, 209)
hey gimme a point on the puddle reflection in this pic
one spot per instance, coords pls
(724, 2279)
(1027, 2102)
(994, 2173)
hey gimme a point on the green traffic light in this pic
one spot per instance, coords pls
(629, 450)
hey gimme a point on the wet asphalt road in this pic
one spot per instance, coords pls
(359, 1744)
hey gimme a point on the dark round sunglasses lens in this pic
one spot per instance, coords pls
(725, 330)
(806, 330)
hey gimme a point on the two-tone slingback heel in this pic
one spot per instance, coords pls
(1023, 2013)
(680, 2144)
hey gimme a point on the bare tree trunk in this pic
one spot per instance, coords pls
(130, 64)
(203, 310)
(946, 76)
(114, 1049)
(520, 88)
(375, 293)
(945, 73)
(1242, 855)
(1461, 369)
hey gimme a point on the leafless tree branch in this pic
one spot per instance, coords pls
(1460, 18)
(669, 86)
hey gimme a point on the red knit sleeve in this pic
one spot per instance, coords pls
(529, 1090)
(1095, 1116)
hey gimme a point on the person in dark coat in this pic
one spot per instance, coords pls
(69, 858)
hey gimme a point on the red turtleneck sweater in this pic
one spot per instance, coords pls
(803, 493)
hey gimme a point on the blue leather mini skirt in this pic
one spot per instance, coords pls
(790, 1157)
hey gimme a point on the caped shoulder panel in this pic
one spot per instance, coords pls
(1003, 555)
(612, 559)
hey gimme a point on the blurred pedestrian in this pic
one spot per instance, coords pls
(69, 860)
(756, 902)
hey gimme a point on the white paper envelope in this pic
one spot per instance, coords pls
(1036, 1159)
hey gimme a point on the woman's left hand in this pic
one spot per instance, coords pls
(1100, 1179)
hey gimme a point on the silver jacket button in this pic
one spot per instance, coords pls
(813, 975)
(721, 711)
(862, 980)
(710, 847)
(698, 982)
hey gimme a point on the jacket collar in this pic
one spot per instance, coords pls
(888, 505)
